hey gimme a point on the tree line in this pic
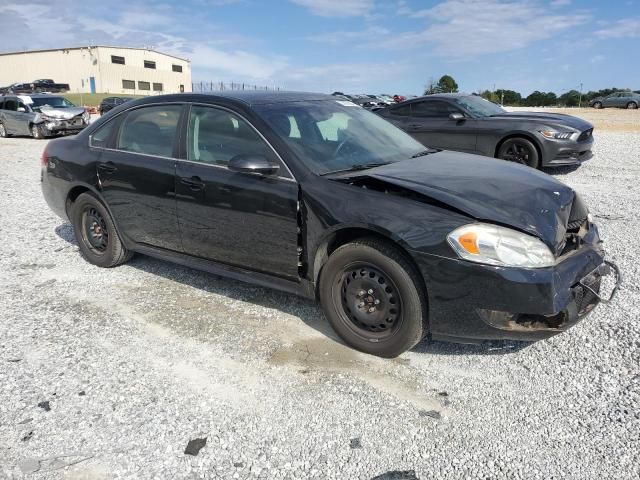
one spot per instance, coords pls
(572, 98)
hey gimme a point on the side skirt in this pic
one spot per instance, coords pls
(303, 288)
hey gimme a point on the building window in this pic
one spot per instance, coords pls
(128, 84)
(149, 64)
(157, 87)
(117, 59)
(176, 68)
(144, 86)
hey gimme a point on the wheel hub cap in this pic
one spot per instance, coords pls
(369, 300)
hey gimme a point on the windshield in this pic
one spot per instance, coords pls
(52, 102)
(337, 135)
(479, 106)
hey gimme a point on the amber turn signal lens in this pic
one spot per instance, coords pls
(469, 241)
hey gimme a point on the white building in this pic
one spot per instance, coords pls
(100, 69)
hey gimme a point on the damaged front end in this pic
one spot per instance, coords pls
(553, 277)
(65, 120)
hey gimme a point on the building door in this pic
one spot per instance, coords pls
(92, 84)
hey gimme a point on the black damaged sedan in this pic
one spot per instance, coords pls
(316, 196)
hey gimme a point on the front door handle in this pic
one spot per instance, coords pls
(414, 126)
(107, 167)
(194, 183)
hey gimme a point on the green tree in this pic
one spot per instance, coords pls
(446, 84)
(570, 98)
(508, 97)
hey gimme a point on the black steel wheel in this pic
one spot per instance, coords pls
(96, 233)
(373, 297)
(519, 150)
(370, 300)
(94, 230)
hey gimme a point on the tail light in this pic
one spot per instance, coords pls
(44, 159)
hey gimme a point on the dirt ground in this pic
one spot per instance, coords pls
(607, 119)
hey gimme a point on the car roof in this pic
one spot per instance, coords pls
(249, 97)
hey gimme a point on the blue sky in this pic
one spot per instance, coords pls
(357, 46)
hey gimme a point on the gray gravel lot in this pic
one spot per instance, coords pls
(136, 361)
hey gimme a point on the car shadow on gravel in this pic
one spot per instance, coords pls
(567, 169)
(307, 310)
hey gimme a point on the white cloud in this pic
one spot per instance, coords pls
(337, 8)
(627, 28)
(597, 58)
(465, 28)
(336, 38)
(560, 3)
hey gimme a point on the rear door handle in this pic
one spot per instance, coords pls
(414, 126)
(194, 183)
(108, 167)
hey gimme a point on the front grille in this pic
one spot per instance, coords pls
(586, 135)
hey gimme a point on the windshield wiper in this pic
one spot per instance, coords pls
(429, 151)
(355, 168)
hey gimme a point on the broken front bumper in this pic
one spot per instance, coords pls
(472, 302)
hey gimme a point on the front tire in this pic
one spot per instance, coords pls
(519, 150)
(632, 105)
(37, 132)
(3, 131)
(372, 296)
(96, 234)
(597, 105)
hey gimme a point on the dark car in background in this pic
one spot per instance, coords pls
(629, 100)
(110, 103)
(469, 123)
(40, 115)
(313, 195)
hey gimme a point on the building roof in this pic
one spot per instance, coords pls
(96, 46)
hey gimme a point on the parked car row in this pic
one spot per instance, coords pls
(43, 85)
(371, 102)
(629, 100)
(316, 196)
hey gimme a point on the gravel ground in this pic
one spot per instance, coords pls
(110, 373)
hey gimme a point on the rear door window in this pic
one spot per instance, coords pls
(11, 104)
(150, 130)
(432, 109)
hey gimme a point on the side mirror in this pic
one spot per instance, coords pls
(22, 109)
(457, 117)
(250, 163)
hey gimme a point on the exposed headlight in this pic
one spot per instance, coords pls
(494, 245)
(556, 135)
(85, 117)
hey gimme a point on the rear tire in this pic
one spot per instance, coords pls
(519, 150)
(96, 233)
(597, 105)
(373, 297)
(632, 105)
(3, 131)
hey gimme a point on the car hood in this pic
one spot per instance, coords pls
(488, 190)
(545, 118)
(61, 113)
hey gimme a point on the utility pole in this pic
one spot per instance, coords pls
(580, 98)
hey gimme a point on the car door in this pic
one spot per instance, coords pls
(430, 125)
(241, 219)
(399, 115)
(136, 173)
(611, 100)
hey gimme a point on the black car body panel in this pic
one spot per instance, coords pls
(484, 135)
(279, 230)
(488, 192)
